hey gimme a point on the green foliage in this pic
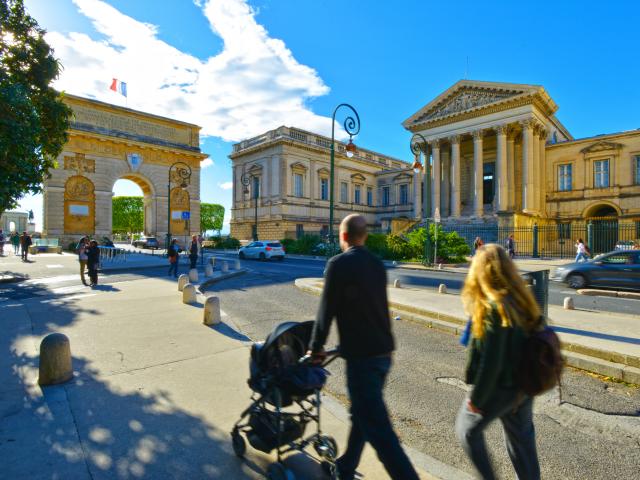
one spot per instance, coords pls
(304, 245)
(218, 242)
(377, 244)
(128, 214)
(287, 244)
(33, 118)
(211, 217)
(398, 248)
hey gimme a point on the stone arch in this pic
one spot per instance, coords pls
(149, 199)
(79, 206)
(603, 216)
(602, 208)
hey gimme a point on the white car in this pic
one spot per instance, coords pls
(262, 250)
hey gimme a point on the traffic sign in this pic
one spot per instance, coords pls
(186, 215)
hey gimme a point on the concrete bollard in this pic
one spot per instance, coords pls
(568, 303)
(193, 275)
(238, 265)
(212, 260)
(208, 271)
(394, 263)
(55, 360)
(189, 294)
(442, 288)
(224, 267)
(212, 311)
(396, 283)
(182, 281)
(439, 266)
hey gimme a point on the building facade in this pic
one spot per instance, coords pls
(285, 191)
(107, 143)
(14, 221)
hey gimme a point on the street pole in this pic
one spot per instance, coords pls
(418, 145)
(352, 127)
(183, 172)
(255, 215)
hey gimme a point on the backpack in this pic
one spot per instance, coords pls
(541, 363)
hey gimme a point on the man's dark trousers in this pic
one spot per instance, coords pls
(193, 260)
(370, 421)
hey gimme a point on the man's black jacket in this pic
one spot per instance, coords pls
(355, 293)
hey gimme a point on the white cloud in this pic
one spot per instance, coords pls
(207, 162)
(252, 85)
(226, 185)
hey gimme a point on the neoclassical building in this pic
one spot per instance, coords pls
(498, 155)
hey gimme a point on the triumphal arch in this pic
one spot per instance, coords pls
(107, 143)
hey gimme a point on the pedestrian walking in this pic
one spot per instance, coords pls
(355, 293)
(510, 245)
(15, 241)
(2, 240)
(193, 251)
(83, 257)
(25, 243)
(503, 312)
(174, 257)
(477, 243)
(200, 249)
(581, 251)
(93, 262)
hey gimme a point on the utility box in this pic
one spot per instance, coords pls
(538, 282)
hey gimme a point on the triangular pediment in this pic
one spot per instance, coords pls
(601, 146)
(358, 176)
(468, 96)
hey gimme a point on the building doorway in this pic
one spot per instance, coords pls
(605, 228)
(488, 183)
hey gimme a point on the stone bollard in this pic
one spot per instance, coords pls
(238, 265)
(394, 263)
(224, 268)
(189, 294)
(182, 281)
(55, 360)
(208, 271)
(396, 283)
(442, 288)
(439, 266)
(193, 275)
(212, 311)
(568, 303)
(212, 260)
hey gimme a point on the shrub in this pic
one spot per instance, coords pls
(230, 243)
(288, 244)
(452, 248)
(304, 245)
(377, 244)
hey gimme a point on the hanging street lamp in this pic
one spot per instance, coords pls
(419, 145)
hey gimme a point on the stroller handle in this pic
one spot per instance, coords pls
(330, 356)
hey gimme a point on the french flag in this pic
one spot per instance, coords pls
(119, 87)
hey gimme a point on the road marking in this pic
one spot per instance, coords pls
(49, 280)
(223, 313)
(55, 265)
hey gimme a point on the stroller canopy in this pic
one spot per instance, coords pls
(284, 346)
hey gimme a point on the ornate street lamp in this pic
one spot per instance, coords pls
(418, 145)
(245, 179)
(182, 177)
(352, 127)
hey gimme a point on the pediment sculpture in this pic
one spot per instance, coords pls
(466, 100)
(601, 146)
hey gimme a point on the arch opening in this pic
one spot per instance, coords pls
(133, 208)
(604, 218)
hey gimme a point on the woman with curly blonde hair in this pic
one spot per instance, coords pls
(503, 312)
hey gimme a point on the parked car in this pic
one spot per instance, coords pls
(146, 242)
(262, 250)
(626, 245)
(619, 269)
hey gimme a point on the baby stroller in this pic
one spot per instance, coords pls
(280, 377)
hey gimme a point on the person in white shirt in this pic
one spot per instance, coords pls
(581, 251)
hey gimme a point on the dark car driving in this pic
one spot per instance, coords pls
(619, 269)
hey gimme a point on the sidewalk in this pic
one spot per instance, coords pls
(155, 392)
(604, 343)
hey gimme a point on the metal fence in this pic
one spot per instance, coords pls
(557, 241)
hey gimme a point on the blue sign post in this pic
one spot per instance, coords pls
(186, 215)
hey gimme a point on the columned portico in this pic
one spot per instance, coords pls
(455, 176)
(478, 193)
(527, 166)
(436, 176)
(501, 164)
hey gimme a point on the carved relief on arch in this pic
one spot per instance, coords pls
(180, 202)
(79, 206)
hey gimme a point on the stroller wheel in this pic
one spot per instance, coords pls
(330, 470)
(326, 447)
(239, 445)
(277, 471)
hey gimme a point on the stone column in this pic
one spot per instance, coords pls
(542, 168)
(527, 166)
(425, 186)
(535, 178)
(511, 172)
(455, 175)
(435, 177)
(501, 168)
(446, 183)
(478, 174)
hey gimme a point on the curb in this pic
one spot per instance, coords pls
(225, 276)
(608, 293)
(603, 362)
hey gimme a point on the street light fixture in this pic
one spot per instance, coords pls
(352, 127)
(418, 145)
(245, 179)
(181, 176)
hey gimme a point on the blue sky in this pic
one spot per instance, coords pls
(239, 68)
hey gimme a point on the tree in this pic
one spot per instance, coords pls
(211, 217)
(127, 214)
(33, 118)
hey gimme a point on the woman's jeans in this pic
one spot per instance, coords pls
(580, 256)
(173, 268)
(519, 434)
(370, 421)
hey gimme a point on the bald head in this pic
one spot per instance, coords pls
(353, 230)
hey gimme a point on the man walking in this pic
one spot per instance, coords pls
(173, 255)
(510, 245)
(15, 241)
(193, 251)
(355, 292)
(25, 243)
(83, 257)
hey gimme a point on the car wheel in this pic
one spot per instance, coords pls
(577, 281)
(241, 256)
(262, 256)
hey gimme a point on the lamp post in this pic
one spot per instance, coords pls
(352, 127)
(181, 176)
(418, 145)
(245, 179)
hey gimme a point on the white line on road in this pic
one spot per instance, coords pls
(55, 265)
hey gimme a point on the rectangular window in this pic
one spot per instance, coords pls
(256, 187)
(564, 177)
(369, 196)
(385, 196)
(324, 189)
(299, 230)
(297, 185)
(344, 192)
(404, 194)
(601, 174)
(637, 165)
(356, 194)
